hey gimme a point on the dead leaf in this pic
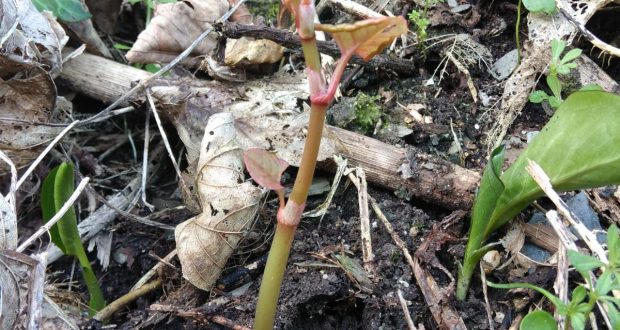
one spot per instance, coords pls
(31, 39)
(264, 167)
(245, 51)
(366, 38)
(229, 204)
(174, 27)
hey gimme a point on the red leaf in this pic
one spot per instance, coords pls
(366, 38)
(264, 167)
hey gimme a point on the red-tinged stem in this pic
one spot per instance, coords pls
(328, 96)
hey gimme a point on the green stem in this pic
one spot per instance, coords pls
(272, 277)
(96, 301)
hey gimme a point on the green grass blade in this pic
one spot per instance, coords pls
(48, 206)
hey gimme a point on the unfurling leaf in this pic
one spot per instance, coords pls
(264, 167)
(368, 37)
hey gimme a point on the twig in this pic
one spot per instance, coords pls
(403, 305)
(35, 292)
(146, 277)
(65, 207)
(561, 281)
(164, 137)
(487, 305)
(290, 40)
(356, 9)
(362, 195)
(129, 297)
(145, 159)
(8, 220)
(44, 153)
(544, 182)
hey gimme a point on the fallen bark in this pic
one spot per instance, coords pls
(433, 180)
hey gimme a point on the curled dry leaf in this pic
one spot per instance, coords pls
(229, 204)
(30, 56)
(174, 27)
(366, 38)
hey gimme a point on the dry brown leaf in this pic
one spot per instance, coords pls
(229, 204)
(174, 27)
(244, 52)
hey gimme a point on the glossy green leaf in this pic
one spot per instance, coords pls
(579, 148)
(583, 262)
(540, 6)
(614, 315)
(265, 167)
(538, 96)
(48, 206)
(491, 187)
(591, 87)
(57, 188)
(538, 320)
(66, 10)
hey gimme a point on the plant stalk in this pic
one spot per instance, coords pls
(272, 277)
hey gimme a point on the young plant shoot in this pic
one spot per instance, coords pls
(364, 39)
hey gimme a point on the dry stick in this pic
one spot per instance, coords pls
(198, 315)
(544, 182)
(167, 67)
(487, 305)
(145, 158)
(65, 207)
(166, 143)
(356, 9)
(35, 292)
(403, 305)
(9, 222)
(560, 284)
(44, 153)
(129, 297)
(146, 277)
(541, 178)
(446, 311)
(362, 197)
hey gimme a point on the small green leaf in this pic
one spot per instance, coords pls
(538, 96)
(584, 308)
(48, 206)
(604, 283)
(582, 262)
(579, 294)
(66, 10)
(555, 85)
(121, 46)
(265, 167)
(538, 320)
(540, 6)
(614, 315)
(578, 321)
(554, 102)
(557, 47)
(571, 55)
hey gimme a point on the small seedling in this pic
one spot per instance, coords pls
(364, 39)
(558, 66)
(367, 112)
(55, 191)
(421, 21)
(583, 298)
(579, 148)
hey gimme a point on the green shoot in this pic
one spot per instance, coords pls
(55, 191)
(578, 309)
(578, 148)
(558, 66)
(364, 39)
(69, 11)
